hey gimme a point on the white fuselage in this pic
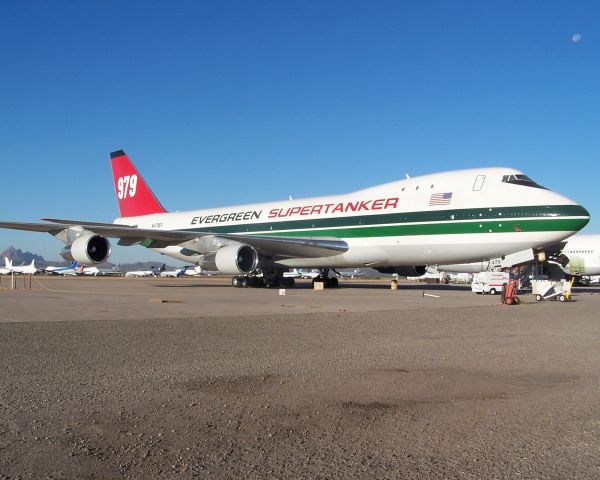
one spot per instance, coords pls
(583, 252)
(24, 269)
(61, 270)
(141, 273)
(452, 217)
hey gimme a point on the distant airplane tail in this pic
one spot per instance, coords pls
(7, 262)
(182, 271)
(133, 194)
(156, 271)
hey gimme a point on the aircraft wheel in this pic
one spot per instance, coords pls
(288, 282)
(332, 282)
(538, 297)
(244, 282)
(235, 281)
(492, 291)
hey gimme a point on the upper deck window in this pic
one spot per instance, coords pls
(521, 180)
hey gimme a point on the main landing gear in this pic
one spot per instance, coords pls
(324, 277)
(269, 279)
(275, 279)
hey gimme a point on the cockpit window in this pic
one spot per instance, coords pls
(521, 180)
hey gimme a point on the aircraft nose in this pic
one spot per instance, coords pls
(585, 216)
(576, 216)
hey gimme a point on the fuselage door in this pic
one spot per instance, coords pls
(477, 186)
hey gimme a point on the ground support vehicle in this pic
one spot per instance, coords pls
(489, 282)
(550, 290)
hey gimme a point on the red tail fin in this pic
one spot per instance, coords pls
(133, 194)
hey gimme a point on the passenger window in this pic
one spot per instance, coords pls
(479, 179)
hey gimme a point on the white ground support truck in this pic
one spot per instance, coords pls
(489, 282)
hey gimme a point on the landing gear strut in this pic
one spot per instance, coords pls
(324, 277)
(269, 279)
(247, 281)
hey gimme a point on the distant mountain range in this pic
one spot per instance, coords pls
(20, 257)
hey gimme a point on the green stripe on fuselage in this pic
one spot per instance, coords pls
(481, 220)
(447, 228)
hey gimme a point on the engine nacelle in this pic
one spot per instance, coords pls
(233, 259)
(87, 250)
(405, 271)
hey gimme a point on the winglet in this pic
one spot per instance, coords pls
(133, 194)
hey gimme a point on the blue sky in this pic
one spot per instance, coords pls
(223, 103)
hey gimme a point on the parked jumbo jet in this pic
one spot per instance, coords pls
(451, 217)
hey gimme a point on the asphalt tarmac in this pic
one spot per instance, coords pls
(189, 378)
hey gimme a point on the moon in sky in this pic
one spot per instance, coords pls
(576, 38)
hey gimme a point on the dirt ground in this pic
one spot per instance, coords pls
(114, 378)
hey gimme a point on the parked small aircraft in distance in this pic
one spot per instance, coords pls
(153, 272)
(175, 273)
(22, 269)
(103, 272)
(293, 273)
(6, 269)
(76, 269)
(193, 272)
(65, 270)
(199, 271)
(399, 227)
(352, 274)
(302, 273)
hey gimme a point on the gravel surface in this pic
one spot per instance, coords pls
(461, 388)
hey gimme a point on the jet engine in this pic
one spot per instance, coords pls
(87, 250)
(234, 259)
(405, 271)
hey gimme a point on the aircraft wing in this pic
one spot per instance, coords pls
(274, 246)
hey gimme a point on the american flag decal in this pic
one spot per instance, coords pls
(440, 198)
